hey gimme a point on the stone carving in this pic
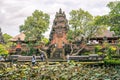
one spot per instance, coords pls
(58, 36)
(59, 29)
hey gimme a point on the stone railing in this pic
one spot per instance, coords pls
(87, 58)
(28, 58)
(23, 58)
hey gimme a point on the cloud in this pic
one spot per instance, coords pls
(14, 12)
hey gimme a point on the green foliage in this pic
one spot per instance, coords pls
(114, 16)
(71, 62)
(112, 61)
(45, 40)
(35, 25)
(31, 49)
(98, 48)
(114, 7)
(101, 20)
(100, 53)
(80, 21)
(3, 51)
(112, 19)
(111, 51)
(87, 53)
(60, 71)
(82, 24)
(118, 43)
(7, 37)
(79, 18)
(70, 35)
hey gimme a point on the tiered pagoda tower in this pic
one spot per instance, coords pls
(59, 29)
(58, 35)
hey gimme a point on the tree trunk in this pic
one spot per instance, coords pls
(46, 57)
(79, 50)
(53, 51)
(71, 49)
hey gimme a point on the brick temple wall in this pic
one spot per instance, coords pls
(59, 40)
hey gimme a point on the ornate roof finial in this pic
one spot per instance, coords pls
(60, 10)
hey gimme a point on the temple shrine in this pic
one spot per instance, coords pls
(59, 29)
(59, 47)
(58, 37)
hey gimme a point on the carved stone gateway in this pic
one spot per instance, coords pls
(58, 37)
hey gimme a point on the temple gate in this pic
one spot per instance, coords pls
(58, 37)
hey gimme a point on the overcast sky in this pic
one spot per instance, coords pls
(14, 12)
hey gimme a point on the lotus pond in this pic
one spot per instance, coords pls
(58, 71)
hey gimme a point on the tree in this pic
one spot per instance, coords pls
(83, 26)
(7, 37)
(112, 19)
(3, 51)
(35, 25)
(70, 35)
(114, 16)
(79, 20)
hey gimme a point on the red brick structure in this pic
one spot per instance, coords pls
(59, 29)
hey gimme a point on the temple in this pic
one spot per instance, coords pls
(59, 29)
(58, 35)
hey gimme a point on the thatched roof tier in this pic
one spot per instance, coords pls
(21, 37)
(106, 33)
(109, 35)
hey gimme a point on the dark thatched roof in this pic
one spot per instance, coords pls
(106, 33)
